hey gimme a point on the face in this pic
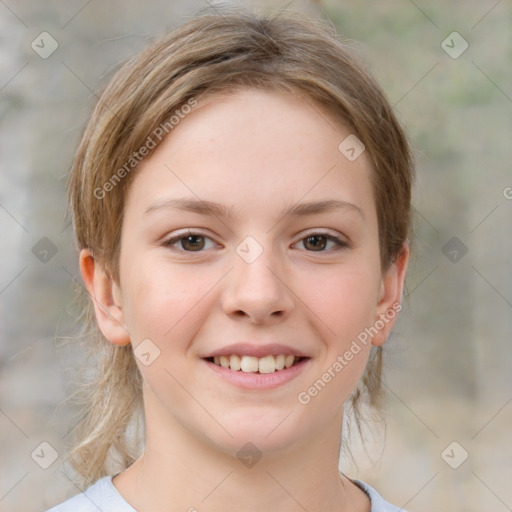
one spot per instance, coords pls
(250, 240)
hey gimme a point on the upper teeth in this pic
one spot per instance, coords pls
(267, 364)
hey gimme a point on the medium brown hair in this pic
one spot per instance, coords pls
(218, 51)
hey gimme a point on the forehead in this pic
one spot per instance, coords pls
(269, 146)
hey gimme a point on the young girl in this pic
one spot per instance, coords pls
(241, 200)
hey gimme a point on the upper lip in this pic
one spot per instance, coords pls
(255, 350)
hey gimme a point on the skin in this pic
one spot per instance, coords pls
(257, 153)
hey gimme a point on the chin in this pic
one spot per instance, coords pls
(269, 431)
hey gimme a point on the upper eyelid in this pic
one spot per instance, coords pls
(309, 232)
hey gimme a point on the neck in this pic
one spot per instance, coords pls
(180, 472)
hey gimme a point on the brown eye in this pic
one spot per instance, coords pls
(315, 242)
(318, 242)
(192, 242)
(189, 242)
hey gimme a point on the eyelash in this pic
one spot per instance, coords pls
(341, 244)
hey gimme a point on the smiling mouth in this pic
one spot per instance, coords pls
(250, 364)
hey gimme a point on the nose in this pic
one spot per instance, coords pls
(258, 292)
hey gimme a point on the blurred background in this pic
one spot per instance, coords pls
(446, 68)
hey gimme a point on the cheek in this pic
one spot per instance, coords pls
(344, 306)
(163, 303)
(343, 300)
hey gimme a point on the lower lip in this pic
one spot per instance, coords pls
(258, 381)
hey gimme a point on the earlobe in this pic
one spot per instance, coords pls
(104, 293)
(389, 303)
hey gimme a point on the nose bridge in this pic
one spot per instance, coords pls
(257, 283)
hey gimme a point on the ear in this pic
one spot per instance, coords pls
(390, 296)
(106, 297)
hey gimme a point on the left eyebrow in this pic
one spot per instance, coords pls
(219, 210)
(322, 206)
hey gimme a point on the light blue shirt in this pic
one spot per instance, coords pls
(104, 497)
